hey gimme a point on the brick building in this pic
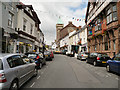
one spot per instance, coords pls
(103, 20)
(62, 31)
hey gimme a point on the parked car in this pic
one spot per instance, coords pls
(71, 54)
(114, 64)
(48, 55)
(97, 58)
(38, 58)
(15, 71)
(64, 52)
(57, 52)
(82, 55)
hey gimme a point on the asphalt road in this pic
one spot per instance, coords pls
(68, 72)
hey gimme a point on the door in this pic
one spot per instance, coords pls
(17, 67)
(90, 58)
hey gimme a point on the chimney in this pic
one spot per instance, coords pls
(70, 22)
(79, 27)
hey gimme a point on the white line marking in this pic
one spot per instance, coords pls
(38, 77)
(108, 74)
(32, 84)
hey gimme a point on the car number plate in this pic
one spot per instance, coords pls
(46, 55)
(103, 62)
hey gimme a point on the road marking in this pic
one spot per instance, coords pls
(32, 84)
(108, 74)
(38, 77)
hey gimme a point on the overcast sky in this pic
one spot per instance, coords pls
(49, 12)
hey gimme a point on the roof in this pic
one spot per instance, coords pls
(35, 17)
(6, 54)
(69, 25)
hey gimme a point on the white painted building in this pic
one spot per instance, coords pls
(30, 36)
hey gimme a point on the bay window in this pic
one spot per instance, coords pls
(112, 14)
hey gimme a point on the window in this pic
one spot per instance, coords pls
(31, 29)
(15, 61)
(90, 30)
(1, 65)
(95, 47)
(24, 24)
(109, 46)
(106, 46)
(114, 44)
(98, 24)
(10, 20)
(112, 14)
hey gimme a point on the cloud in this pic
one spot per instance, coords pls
(51, 12)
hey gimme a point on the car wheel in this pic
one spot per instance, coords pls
(95, 63)
(40, 65)
(36, 72)
(14, 85)
(108, 68)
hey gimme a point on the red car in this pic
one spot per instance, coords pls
(52, 55)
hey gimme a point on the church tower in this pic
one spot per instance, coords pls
(59, 26)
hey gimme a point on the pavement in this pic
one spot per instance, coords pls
(68, 72)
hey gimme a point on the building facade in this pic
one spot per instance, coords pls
(103, 20)
(63, 34)
(30, 36)
(8, 27)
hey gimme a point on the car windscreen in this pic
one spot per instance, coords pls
(117, 57)
(103, 55)
(31, 55)
(47, 52)
(1, 65)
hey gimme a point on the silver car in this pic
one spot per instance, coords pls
(15, 70)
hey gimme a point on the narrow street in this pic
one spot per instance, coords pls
(68, 72)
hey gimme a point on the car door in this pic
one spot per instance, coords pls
(18, 67)
(90, 58)
(116, 63)
(29, 66)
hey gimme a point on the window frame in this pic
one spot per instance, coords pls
(110, 14)
(10, 19)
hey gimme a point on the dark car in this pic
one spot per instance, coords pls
(48, 55)
(114, 64)
(82, 55)
(38, 58)
(64, 52)
(97, 58)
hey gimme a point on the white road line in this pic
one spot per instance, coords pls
(32, 84)
(38, 77)
(108, 74)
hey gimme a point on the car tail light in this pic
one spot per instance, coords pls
(98, 58)
(2, 78)
(37, 57)
(81, 55)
